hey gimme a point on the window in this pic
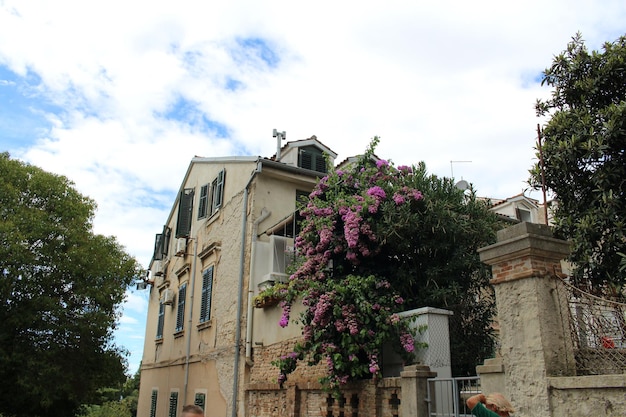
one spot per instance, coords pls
(185, 208)
(180, 313)
(217, 191)
(207, 288)
(312, 158)
(159, 334)
(153, 403)
(204, 201)
(523, 215)
(200, 400)
(173, 403)
(161, 244)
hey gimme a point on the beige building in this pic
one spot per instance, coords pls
(230, 229)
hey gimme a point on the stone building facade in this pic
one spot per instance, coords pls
(230, 229)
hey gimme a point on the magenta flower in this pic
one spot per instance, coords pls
(377, 192)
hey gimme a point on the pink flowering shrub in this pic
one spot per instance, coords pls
(350, 308)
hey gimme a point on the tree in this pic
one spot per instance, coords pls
(584, 144)
(377, 240)
(60, 289)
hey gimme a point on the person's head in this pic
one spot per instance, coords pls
(192, 410)
(499, 405)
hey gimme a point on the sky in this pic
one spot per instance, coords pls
(119, 96)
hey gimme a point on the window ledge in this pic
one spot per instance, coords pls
(179, 334)
(158, 341)
(207, 324)
(213, 217)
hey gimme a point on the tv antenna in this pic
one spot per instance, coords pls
(279, 136)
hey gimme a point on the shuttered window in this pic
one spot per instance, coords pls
(217, 191)
(180, 313)
(200, 400)
(161, 319)
(207, 289)
(153, 403)
(185, 208)
(161, 244)
(203, 203)
(312, 158)
(173, 404)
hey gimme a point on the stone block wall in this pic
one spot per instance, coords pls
(537, 368)
(307, 399)
(303, 396)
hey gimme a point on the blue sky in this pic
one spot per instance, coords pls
(119, 96)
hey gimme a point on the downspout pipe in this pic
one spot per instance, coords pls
(249, 317)
(242, 256)
(190, 321)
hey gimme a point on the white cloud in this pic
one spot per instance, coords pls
(141, 87)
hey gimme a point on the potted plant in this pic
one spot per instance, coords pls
(271, 295)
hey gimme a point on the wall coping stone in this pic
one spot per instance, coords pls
(524, 239)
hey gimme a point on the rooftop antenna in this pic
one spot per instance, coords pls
(279, 136)
(461, 185)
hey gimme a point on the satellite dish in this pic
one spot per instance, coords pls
(462, 185)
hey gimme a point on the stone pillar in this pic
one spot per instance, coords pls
(414, 385)
(491, 375)
(532, 311)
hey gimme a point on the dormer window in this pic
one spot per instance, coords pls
(523, 215)
(312, 158)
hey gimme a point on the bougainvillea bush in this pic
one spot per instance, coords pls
(377, 240)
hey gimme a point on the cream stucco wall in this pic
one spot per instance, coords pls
(216, 241)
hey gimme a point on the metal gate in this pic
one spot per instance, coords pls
(446, 396)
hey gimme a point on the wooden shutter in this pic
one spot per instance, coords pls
(153, 403)
(158, 247)
(180, 313)
(173, 404)
(185, 208)
(217, 191)
(159, 334)
(207, 288)
(203, 202)
(200, 400)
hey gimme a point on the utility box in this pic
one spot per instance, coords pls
(436, 334)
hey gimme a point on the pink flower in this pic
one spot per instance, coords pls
(407, 342)
(377, 192)
(398, 199)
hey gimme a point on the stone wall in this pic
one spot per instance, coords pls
(303, 396)
(307, 399)
(537, 368)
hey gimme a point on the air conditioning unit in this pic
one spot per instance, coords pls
(274, 277)
(181, 246)
(157, 268)
(168, 297)
(160, 281)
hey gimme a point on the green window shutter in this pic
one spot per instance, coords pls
(306, 159)
(160, 321)
(200, 400)
(173, 404)
(204, 201)
(312, 158)
(158, 247)
(207, 288)
(153, 403)
(162, 244)
(185, 208)
(180, 313)
(320, 163)
(217, 191)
